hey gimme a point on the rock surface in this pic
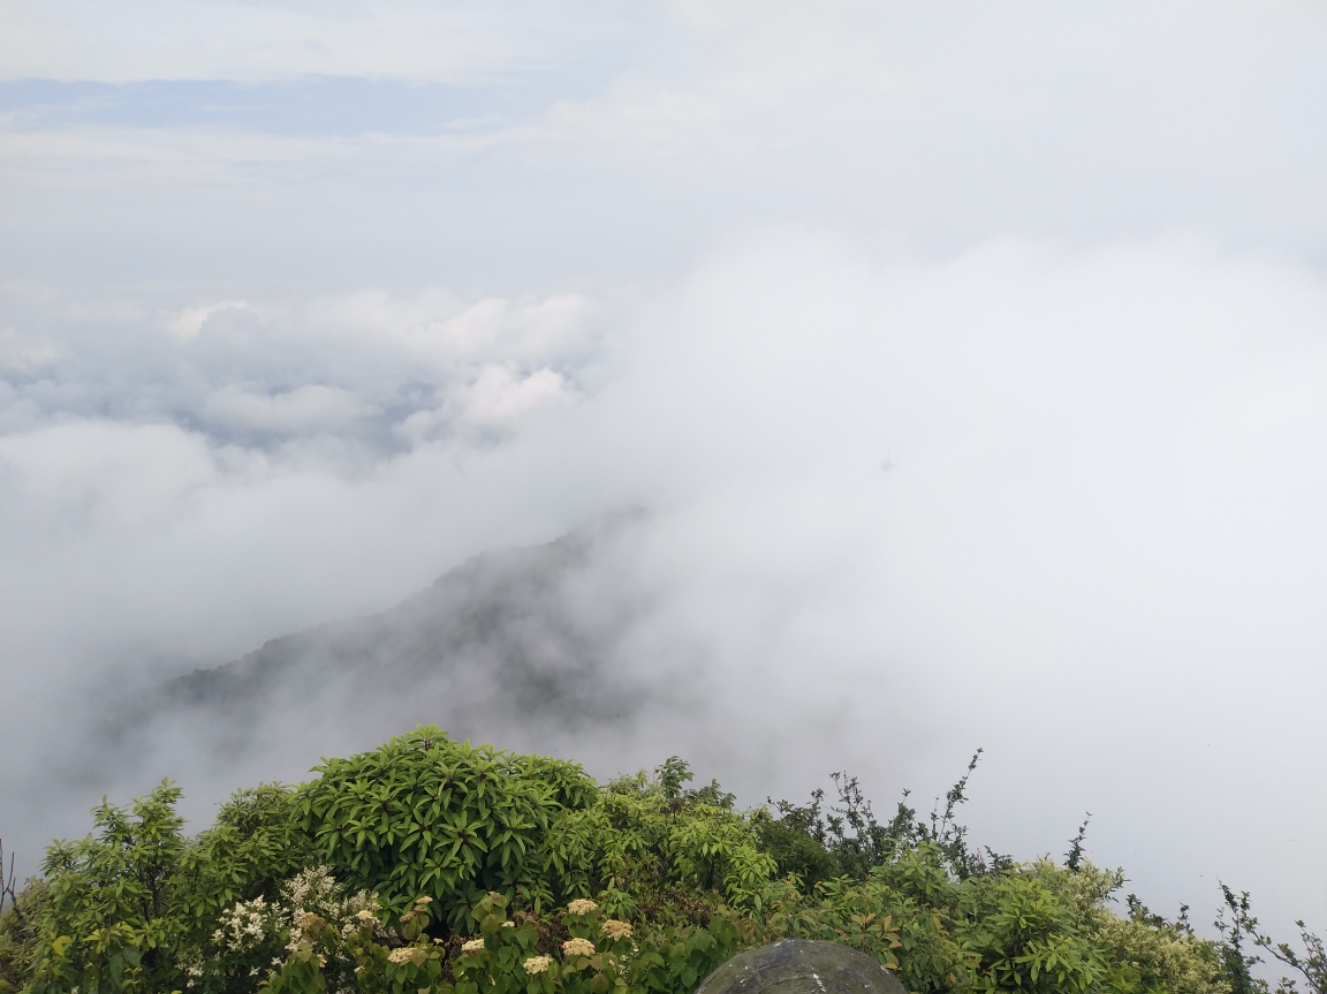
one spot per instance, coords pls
(800, 966)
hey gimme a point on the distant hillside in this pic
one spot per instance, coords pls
(511, 637)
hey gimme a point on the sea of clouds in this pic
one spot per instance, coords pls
(969, 367)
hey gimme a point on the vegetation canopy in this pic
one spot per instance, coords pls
(430, 866)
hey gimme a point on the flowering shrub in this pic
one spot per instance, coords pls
(503, 960)
(432, 866)
(252, 936)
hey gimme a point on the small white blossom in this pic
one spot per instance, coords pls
(578, 947)
(615, 929)
(538, 964)
(408, 954)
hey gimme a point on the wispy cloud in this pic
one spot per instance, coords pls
(191, 40)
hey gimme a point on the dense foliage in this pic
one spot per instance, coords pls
(426, 816)
(434, 866)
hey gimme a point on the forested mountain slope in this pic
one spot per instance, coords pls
(511, 637)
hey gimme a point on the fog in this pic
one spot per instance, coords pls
(915, 381)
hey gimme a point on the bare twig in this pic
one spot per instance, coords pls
(7, 880)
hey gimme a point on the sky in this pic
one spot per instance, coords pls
(970, 359)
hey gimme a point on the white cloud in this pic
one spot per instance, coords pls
(95, 481)
(314, 408)
(1083, 486)
(499, 397)
(438, 329)
(194, 39)
(353, 365)
(23, 357)
(189, 322)
(108, 157)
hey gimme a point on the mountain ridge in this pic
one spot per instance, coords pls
(525, 634)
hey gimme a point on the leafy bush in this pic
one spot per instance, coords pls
(434, 866)
(111, 914)
(425, 815)
(650, 844)
(125, 907)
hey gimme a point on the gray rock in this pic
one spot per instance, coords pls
(800, 966)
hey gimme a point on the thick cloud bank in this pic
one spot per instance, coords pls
(894, 379)
(1064, 505)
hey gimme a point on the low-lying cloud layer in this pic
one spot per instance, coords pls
(1064, 506)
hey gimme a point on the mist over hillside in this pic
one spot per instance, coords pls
(513, 644)
(590, 647)
(937, 523)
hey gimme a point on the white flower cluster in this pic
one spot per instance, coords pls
(309, 901)
(578, 947)
(615, 929)
(245, 925)
(362, 918)
(193, 969)
(538, 964)
(316, 891)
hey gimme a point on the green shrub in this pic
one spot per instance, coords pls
(434, 866)
(648, 844)
(110, 917)
(424, 815)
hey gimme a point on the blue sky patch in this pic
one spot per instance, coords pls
(332, 106)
